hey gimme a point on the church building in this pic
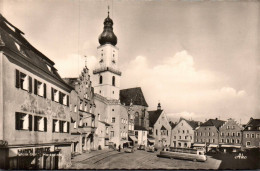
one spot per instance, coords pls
(112, 115)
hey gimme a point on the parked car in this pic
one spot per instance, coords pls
(129, 149)
(151, 148)
(141, 147)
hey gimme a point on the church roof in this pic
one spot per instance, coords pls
(134, 95)
(22, 53)
(153, 116)
(108, 36)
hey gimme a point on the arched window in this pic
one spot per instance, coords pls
(100, 79)
(113, 81)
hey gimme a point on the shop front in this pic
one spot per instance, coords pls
(40, 157)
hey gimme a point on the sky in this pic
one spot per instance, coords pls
(199, 59)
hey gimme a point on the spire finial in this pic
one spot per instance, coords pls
(86, 60)
(108, 10)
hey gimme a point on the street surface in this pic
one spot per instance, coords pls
(107, 159)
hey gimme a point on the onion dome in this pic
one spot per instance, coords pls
(108, 36)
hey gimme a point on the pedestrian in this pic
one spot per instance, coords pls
(119, 148)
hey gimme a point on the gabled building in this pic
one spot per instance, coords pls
(159, 128)
(207, 134)
(182, 135)
(251, 134)
(230, 135)
(34, 106)
(83, 120)
(138, 115)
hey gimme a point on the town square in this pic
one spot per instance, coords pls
(112, 84)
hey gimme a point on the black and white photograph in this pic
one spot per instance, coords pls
(129, 84)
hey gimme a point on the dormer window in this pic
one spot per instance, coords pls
(249, 128)
(17, 46)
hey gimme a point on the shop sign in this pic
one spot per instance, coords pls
(32, 151)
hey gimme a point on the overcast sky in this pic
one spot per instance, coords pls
(200, 59)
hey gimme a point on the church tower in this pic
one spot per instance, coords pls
(107, 75)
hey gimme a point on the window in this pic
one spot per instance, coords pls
(100, 79)
(64, 126)
(252, 135)
(238, 134)
(54, 95)
(187, 131)
(178, 131)
(113, 120)
(156, 132)
(174, 137)
(233, 127)
(232, 141)
(227, 127)
(248, 143)
(39, 88)
(106, 130)
(222, 134)
(222, 140)
(112, 133)
(213, 134)
(113, 81)
(257, 135)
(75, 108)
(183, 131)
(200, 133)
(99, 117)
(196, 133)
(213, 140)
(228, 134)
(81, 105)
(180, 137)
(23, 121)
(63, 98)
(233, 134)
(238, 141)
(227, 140)
(209, 133)
(86, 107)
(247, 135)
(55, 126)
(74, 124)
(40, 123)
(23, 81)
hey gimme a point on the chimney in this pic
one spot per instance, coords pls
(159, 106)
(216, 118)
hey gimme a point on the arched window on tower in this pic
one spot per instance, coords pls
(100, 79)
(113, 81)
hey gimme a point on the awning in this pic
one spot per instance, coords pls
(151, 140)
(199, 145)
(107, 124)
(229, 145)
(213, 145)
(133, 138)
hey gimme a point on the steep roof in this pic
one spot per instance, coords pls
(133, 94)
(213, 122)
(254, 124)
(137, 127)
(153, 116)
(22, 53)
(193, 124)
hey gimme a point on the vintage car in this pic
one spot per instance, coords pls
(150, 148)
(182, 153)
(129, 149)
(141, 147)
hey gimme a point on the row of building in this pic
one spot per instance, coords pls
(46, 119)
